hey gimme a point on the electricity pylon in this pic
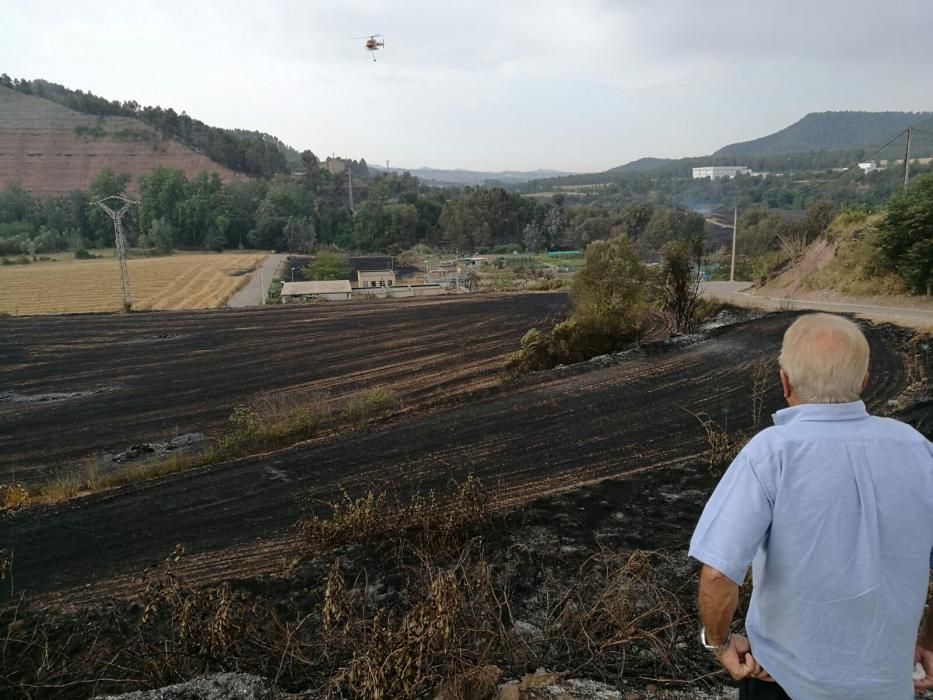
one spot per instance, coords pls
(117, 216)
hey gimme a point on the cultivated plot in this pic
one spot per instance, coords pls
(81, 286)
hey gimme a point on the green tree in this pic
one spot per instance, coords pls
(108, 183)
(204, 213)
(679, 284)
(554, 226)
(609, 291)
(284, 198)
(162, 193)
(300, 235)
(16, 204)
(906, 238)
(819, 217)
(533, 238)
(401, 225)
(162, 236)
(327, 266)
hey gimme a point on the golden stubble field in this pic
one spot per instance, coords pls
(188, 281)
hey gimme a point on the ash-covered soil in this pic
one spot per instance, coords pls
(75, 387)
(596, 477)
(524, 440)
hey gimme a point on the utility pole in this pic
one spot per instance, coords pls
(117, 216)
(350, 187)
(262, 288)
(907, 160)
(735, 226)
(387, 167)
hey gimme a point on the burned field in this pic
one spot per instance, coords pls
(547, 433)
(592, 478)
(73, 387)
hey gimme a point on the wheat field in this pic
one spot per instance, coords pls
(188, 281)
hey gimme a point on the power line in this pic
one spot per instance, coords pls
(843, 172)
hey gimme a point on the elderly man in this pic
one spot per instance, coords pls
(834, 510)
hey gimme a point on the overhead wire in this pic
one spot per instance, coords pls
(868, 158)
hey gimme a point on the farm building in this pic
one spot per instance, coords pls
(368, 279)
(400, 291)
(338, 290)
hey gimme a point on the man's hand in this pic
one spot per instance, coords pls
(739, 662)
(924, 657)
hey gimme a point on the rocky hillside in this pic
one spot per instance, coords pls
(50, 149)
(845, 261)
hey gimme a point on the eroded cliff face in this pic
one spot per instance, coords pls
(50, 150)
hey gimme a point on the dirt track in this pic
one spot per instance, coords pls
(145, 377)
(557, 432)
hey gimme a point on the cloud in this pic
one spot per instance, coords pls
(482, 84)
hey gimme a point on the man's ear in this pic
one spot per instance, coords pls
(864, 383)
(786, 385)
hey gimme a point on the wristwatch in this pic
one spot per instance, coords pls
(715, 649)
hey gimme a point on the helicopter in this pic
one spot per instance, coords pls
(374, 42)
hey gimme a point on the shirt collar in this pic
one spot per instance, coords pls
(820, 411)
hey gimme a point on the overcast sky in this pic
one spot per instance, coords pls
(578, 85)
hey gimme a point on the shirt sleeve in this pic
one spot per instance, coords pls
(735, 521)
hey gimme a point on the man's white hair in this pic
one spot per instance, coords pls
(825, 358)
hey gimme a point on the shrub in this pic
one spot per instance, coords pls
(327, 266)
(82, 254)
(535, 354)
(274, 293)
(853, 215)
(906, 237)
(271, 419)
(370, 405)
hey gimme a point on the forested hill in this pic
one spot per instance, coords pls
(245, 152)
(50, 150)
(835, 131)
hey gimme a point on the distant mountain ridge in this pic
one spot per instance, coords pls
(819, 141)
(477, 177)
(829, 131)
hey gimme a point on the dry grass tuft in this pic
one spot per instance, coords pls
(375, 515)
(371, 405)
(268, 422)
(13, 497)
(422, 605)
(722, 446)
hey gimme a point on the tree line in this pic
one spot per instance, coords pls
(304, 211)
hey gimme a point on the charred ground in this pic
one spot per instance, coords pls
(549, 433)
(72, 387)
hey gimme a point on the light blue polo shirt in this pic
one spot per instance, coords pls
(834, 509)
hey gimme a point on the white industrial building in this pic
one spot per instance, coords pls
(870, 166)
(719, 172)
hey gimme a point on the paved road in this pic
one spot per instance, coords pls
(735, 292)
(252, 293)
